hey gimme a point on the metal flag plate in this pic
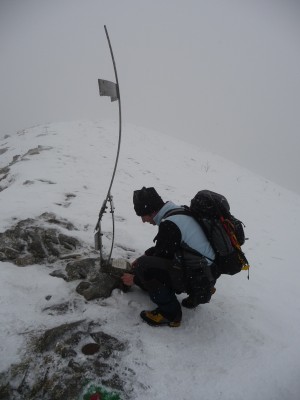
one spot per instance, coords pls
(108, 88)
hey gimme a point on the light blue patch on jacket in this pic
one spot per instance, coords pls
(191, 232)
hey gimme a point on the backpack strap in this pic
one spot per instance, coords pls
(183, 210)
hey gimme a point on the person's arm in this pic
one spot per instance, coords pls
(167, 240)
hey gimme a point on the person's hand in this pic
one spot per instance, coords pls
(127, 279)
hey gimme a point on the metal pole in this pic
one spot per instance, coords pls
(109, 196)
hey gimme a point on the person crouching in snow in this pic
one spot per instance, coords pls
(176, 264)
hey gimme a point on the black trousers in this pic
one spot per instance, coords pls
(162, 280)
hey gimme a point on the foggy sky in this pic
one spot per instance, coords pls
(224, 74)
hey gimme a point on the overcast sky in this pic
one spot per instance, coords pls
(224, 74)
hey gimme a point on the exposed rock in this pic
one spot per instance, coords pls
(57, 368)
(57, 309)
(53, 366)
(36, 150)
(102, 288)
(23, 261)
(50, 337)
(4, 170)
(75, 366)
(2, 151)
(31, 242)
(59, 274)
(37, 241)
(108, 342)
(15, 159)
(28, 182)
(46, 181)
(71, 256)
(65, 351)
(51, 218)
(82, 269)
(114, 382)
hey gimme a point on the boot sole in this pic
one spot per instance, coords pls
(171, 324)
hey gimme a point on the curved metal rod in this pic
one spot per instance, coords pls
(108, 196)
(120, 114)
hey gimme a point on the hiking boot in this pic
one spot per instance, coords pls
(154, 318)
(189, 302)
(193, 301)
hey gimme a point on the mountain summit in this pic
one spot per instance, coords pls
(244, 344)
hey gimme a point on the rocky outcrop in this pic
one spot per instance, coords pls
(36, 241)
(43, 241)
(60, 367)
(61, 362)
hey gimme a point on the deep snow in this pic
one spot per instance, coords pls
(244, 344)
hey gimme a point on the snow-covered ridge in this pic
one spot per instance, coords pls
(244, 344)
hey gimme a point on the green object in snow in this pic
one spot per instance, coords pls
(100, 393)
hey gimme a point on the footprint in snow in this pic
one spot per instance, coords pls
(67, 202)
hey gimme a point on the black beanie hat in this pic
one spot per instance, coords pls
(146, 201)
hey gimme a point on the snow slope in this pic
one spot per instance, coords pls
(244, 344)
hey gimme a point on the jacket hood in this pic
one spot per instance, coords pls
(166, 208)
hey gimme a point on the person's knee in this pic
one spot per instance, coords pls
(143, 263)
(150, 268)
